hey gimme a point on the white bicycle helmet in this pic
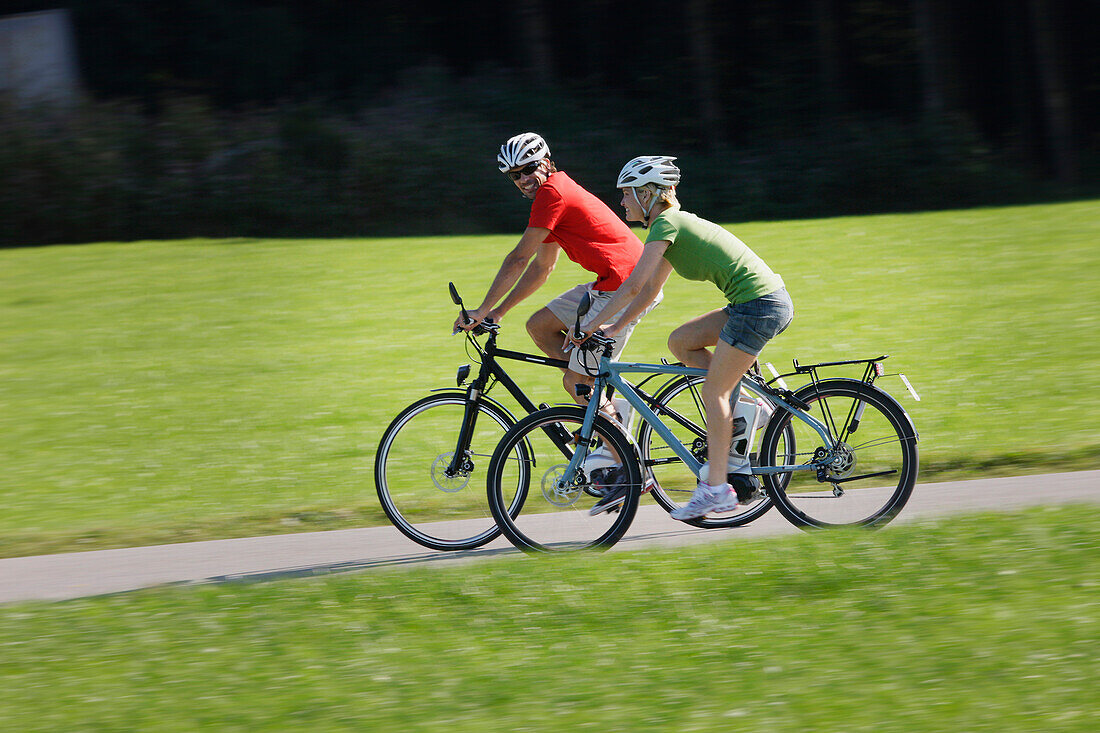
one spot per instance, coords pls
(645, 169)
(520, 150)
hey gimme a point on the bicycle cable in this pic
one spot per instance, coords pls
(476, 357)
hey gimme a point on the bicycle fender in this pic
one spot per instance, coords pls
(860, 385)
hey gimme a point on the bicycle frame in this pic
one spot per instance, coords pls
(610, 375)
(491, 370)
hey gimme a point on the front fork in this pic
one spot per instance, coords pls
(573, 475)
(460, 459)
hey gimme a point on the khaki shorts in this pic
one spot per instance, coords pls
(564, 308)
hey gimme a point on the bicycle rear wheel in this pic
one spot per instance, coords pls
(549, 518)
(435, 507)
(876, 467)
(675, 484)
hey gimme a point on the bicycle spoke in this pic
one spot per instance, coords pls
(675, 483)
(866, 483)
(555, 514)
(875, 443)
(429, 502)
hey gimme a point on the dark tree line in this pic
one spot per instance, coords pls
(285, 117)
(1026, 72)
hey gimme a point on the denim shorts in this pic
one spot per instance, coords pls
(755, 323)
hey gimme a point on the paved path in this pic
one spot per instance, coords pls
(74, 575)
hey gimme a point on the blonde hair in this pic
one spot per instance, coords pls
(665, 194)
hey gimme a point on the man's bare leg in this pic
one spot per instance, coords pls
(548, 333)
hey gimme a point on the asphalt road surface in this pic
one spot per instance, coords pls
(80, 574)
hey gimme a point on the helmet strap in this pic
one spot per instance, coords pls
(645, 214)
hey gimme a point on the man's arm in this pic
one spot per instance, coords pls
(516, 264)
(546, 257)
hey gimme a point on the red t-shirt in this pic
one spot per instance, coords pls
(587, 230)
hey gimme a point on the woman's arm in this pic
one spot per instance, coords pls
(639, 290)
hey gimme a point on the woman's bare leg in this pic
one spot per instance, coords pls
(727, 366)
(691, 342)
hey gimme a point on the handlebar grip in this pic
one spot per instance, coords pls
(486, 326)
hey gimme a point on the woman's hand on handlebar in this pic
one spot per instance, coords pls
(586, 342)
(572, 340)
(608, 330)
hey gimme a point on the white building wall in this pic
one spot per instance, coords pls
(38, 57)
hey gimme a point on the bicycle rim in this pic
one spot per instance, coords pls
(435, 507)
(874, 474)
(548, 518)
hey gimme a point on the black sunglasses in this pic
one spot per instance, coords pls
(524, 171)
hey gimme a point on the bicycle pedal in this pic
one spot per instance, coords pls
(747, 487)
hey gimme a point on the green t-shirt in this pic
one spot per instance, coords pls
(701, 250)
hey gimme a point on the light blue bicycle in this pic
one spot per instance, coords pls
(837, 452)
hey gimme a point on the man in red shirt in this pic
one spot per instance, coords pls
(564, 216)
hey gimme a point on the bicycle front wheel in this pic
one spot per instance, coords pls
(875, 468)
(553, 518)
(432, 499)
(680, 407)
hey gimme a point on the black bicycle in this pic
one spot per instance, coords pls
(431, 462)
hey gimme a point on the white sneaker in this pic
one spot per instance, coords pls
(703, 502)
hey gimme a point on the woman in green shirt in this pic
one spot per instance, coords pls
(759, 309)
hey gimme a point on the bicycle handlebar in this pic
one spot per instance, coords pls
(486, 326)
(597, 340)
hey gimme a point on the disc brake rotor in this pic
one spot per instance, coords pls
(555, 494)
(450, 484)
(844, 463)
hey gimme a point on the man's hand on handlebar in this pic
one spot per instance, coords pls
(476, 318)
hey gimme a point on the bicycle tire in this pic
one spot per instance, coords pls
(674, 485)
(431, 509)
(557, 520)
(871, 480)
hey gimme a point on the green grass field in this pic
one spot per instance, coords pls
(165, 391)
(984, 623)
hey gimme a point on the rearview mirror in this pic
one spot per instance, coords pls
(454, 294)
(584, 305)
